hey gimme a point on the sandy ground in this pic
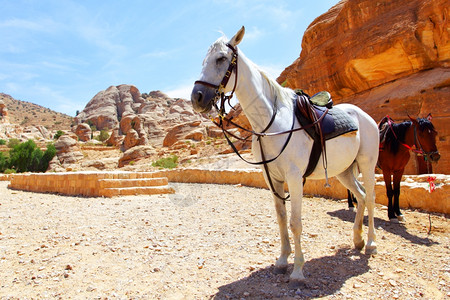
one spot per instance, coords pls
(207, 241)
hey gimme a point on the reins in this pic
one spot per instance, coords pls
(222, 117)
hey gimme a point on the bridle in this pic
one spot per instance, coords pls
(223, 84)
(418, 146)
(220, 94)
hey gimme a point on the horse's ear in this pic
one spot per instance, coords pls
(237, 38)
(429, 117)
(412, 119)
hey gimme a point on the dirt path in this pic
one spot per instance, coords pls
(207, 241)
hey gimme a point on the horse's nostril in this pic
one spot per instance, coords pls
(199, 96)
(436, 157)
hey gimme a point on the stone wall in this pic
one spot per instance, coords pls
(91, 184)
(414, 189)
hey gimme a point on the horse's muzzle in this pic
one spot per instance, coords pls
(202, 98)
(434, 156)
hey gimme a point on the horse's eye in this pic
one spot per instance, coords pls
(221, 59)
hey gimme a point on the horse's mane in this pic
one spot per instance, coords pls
(388, 138)
(283, 94)
(394, 135)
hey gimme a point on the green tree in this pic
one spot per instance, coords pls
(4, 162)
(27, 157)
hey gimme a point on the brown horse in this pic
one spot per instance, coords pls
(396, 142)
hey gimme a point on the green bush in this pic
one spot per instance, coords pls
(58, 134)
(166, 162)
(104, 135)
(2, 142)
(4, 162)
(27, 157)
(13, 142)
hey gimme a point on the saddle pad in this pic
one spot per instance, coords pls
(335, 123)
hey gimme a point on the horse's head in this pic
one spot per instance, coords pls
(426, 138)
(217, 70)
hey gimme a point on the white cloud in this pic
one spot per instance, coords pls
(182, 91)
(272, 70)
(253, 33)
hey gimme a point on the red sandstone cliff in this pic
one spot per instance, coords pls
(387, 57)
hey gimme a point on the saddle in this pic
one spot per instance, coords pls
(333, 122)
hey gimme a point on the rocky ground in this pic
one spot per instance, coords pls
(207, 241)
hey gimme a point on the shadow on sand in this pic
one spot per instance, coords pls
(397, 229)
(324, 276)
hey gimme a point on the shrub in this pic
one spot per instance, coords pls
(13, 142)
(27, 157)
(2, 142)
(104, 135)
(4, 162)
(58, 134)
(166, 162)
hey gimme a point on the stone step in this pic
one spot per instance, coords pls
(148, 190)
(138, 182)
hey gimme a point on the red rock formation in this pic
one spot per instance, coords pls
(83, 132)
(387, 57)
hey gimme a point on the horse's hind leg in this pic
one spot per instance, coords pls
(280, 207)
(347, 178)
(389, 193)
(351, 200)
(396, 180)
(368, 176)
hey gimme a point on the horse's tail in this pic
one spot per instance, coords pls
(383, 128)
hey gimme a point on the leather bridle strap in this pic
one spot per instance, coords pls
(221, 87)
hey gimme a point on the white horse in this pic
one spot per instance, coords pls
(261, 98)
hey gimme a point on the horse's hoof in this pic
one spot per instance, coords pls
(280, 270)
(401, 218)
(351, 209)
(394, 220)
(370, 250)
(296, 284)
(359, 245)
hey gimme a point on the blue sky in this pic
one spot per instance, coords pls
(60, 53)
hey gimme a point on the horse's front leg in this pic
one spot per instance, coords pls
(280, 207)
(296, 191)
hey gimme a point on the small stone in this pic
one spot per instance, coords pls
(356, 285)
(90, 289)
(392, 282)
(246, 294)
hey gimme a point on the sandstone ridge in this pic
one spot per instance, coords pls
(387, 57)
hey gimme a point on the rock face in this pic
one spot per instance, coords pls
(109, 106)
(135, 154)
(4, 118)
(139, 120)
(83, 132)
(67, 150)
(387, 57)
